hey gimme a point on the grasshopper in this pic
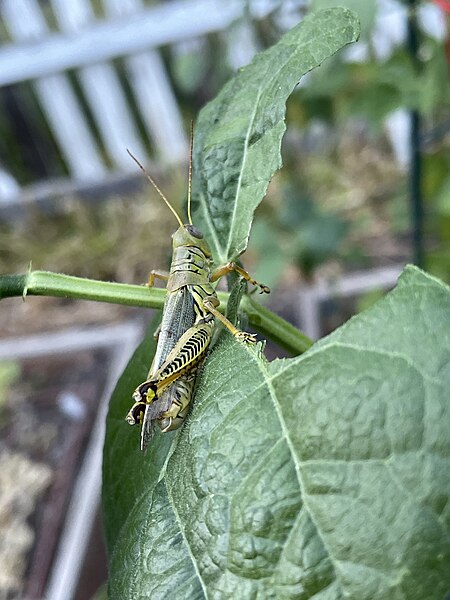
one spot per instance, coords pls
(189, 313)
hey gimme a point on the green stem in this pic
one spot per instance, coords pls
(45, 283)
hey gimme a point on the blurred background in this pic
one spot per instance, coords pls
(365, 189)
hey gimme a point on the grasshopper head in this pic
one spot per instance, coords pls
(189, 235)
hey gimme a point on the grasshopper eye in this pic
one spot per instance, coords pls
(194, 232)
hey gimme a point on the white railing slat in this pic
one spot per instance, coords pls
(131, 31)
(178, 20)
(153, 91)
(102, 89)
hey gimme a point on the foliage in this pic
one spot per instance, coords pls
(321, 476)
(9, 373)
(308, 234)
(437, 184)
(348, 100)
(238, 136)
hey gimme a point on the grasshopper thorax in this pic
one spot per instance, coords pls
(189, 235)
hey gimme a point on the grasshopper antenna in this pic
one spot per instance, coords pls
(177, 216)
(191, 144)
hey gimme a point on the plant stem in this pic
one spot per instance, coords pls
(45, 283)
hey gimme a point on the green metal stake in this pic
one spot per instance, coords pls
(415, 168)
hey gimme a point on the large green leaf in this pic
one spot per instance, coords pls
(238, 135)
(323, 476)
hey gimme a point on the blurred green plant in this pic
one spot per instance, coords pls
(298, 232)
(355, 190)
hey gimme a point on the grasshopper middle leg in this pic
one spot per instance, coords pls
(211, 303)
(232, 266)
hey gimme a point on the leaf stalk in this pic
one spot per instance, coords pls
(46, 283)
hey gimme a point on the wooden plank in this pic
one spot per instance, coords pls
(26, 24)
(177, 21)
(153, 91)
(86, 493)
(102, 89)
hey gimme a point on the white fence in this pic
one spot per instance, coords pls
(43, 46)
(38, 52)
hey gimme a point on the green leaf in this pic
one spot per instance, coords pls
(128, 474)
(238, 135)
(323, 476)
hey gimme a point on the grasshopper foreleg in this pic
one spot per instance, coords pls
(156, 275)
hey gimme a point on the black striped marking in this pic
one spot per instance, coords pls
(190, 354)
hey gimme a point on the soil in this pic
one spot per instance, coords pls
(48, 406)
